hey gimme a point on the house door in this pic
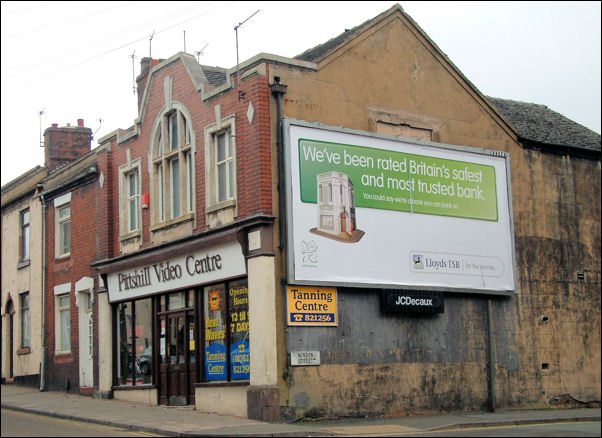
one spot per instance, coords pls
(86, 341)
(177, 371)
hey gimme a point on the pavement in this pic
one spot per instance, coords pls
(186, 421)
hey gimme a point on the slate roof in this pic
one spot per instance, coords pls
(538, 123)
(215, 78)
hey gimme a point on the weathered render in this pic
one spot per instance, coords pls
(388, 76)
(21, 363)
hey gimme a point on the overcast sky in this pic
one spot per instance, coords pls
(74, 59)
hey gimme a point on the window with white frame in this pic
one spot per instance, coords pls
(25, 320)
(130, 193)
(24, 244)
(63, 323)
(172, 168)
(63, 225)
(220, 159)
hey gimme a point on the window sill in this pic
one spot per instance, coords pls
(133, 387)
(23, 264)
(172, 222)
(130, 235)
(220, 206)
(63, 257)
(218, 384)
(25, 350)
(61, 357)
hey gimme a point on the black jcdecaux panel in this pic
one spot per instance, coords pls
(400, 301)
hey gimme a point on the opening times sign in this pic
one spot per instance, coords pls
(367, 210)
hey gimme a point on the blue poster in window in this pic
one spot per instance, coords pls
(240, 360)
(215, 362)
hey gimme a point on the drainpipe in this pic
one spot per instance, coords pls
(43, 334)
(278, 90)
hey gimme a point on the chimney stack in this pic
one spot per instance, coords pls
(66, 144)
(146, 64)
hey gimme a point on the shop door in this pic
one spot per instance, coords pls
(177, 372)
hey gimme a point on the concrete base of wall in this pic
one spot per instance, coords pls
(143, 396)
(222, 399)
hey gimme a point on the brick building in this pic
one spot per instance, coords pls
(199, 257)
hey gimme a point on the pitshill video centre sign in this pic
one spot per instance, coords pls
(368, 210)
(210, 264)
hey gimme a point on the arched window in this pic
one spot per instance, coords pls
(172, 167)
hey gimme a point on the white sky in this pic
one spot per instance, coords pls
(73, 59)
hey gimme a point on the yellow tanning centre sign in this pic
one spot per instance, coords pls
(312, 306)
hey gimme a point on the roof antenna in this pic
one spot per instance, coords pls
(133, 56)
(99, 126)
(41, 113)
(241, 94)
(150, 42)
(200, 53)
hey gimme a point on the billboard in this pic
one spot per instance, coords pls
(371, 210)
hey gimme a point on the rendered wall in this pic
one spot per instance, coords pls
(375, 364)
(18, 280)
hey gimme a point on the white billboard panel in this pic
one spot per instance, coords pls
(369, 210)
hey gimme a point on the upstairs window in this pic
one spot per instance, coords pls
(220, 170)
(62, 225)
(172, 168)
(24, 244)
(225, 167)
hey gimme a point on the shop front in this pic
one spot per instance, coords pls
(180, 321)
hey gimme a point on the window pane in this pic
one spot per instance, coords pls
(26, 217)
(25, 243)
(230, 179)
(161, 193)
(133, 215)
(173, 131)
(25, 321)
(144, 341)
(221, 182)
(176, 301)
(65, 319)
(215, 332)
(64, 301)
(221, 147)
(175, 187)
(65, 240)
(240, 356)
(124, 343)
(64, 212)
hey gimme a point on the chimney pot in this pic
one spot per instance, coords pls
(55, 125)
(80, 122)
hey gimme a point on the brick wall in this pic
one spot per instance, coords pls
(62, 371)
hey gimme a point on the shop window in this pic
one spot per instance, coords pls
(227, 354)
(25, 320)
(24, 236)
(172, 169)
(134, 342)
(63, 323)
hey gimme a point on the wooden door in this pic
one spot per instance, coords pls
(177, 349)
